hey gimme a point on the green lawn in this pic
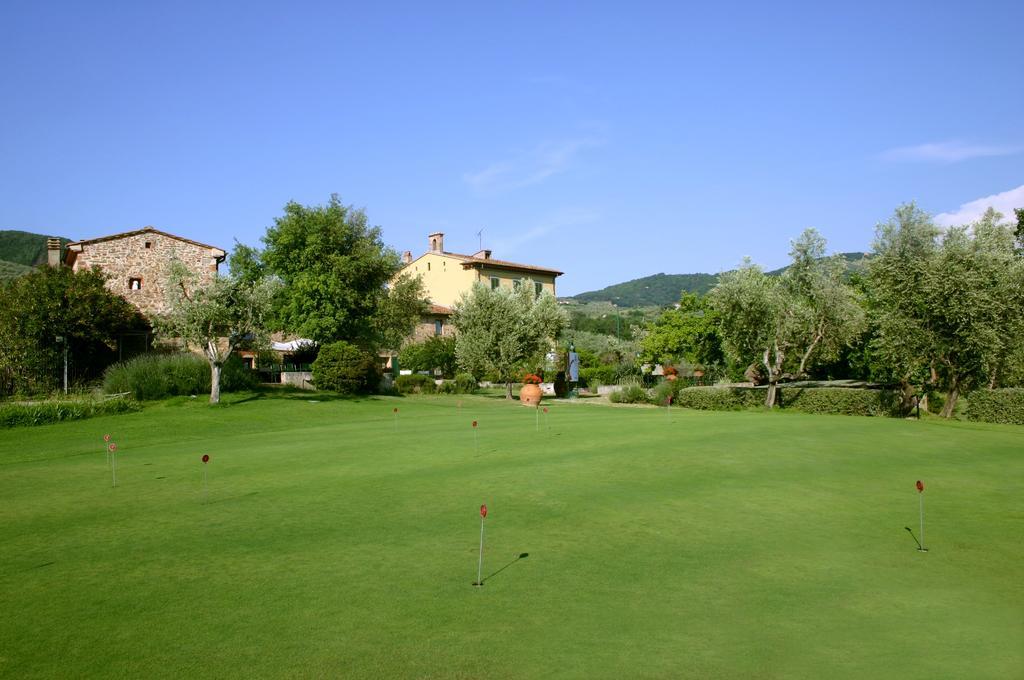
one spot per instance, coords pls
(717, 545)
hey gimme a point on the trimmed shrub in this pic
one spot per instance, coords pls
(235, 376)
(841, 401)
(342, 367)
(997, 406)
(417, 383)
(631, 393)
(664, 389)
(836, 400)
(719, 398)
(465, 384)
(599, 375)
(44, 412)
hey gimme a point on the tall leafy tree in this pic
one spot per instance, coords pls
(503, 332)
(217, 317)
(337, 277)
(53, 302)
(788, 322)
(827, 312)
(753, 321)
(688, 332)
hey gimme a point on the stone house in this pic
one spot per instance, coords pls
(138, 263)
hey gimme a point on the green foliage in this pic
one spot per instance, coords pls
(997, 406)
(665, 389)
(689, 333)
(12, 270)
(345, 368)
(45, 412)
(25, 248)
(415, 383)
(334, 267)
(398, 311)
(157, 376)
(719, 398)
(216, 318)
(466, 384)
(437, 352)
(505, 332)
(53, 302)
(631, 393)
(599, 375)
(842, 401)
(949, 307)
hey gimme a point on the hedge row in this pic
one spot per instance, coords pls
(156, 376)
(418, 383)
(837, 400)
(44, 412)
(997, 406)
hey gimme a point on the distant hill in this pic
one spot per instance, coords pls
(23, 247)
(665, 289)
(12, 270)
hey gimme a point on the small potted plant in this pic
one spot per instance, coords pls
(531, 393)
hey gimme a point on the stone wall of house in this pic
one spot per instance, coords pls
(138, 266)
(426, 328)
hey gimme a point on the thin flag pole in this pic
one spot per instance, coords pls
(921, 497)
(480, 561)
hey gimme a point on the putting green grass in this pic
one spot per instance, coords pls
(331, 544)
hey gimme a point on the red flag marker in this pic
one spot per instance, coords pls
(205, 459)
(106, 437)
(920, 495)
(480, 563)
(112, 448)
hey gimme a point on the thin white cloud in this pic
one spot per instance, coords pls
(558, 221)
(947, 152)
(532, 167)
(972, 211)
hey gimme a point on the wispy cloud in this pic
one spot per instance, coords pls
(558, 221)
(972, 211)
(947, 152)
(532, 167)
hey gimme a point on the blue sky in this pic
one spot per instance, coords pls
(611, 141)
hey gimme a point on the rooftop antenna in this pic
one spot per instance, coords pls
(480, 238)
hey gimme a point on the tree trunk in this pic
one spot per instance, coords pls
(508, 390)
(215, 382)
(951, 396)
(906, 397)
(773, 388)
(774, 371)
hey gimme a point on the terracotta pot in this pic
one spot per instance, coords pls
(530, 395)
(671, 376)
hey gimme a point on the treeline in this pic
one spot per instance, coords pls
(934, 310)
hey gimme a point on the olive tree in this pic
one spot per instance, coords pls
(216, 317)
(503, 331)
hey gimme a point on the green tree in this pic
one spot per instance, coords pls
(948, 310)
(336, 275)
(754, 321)
(437, 352)
(217, 318)
(53, 302)
(503, 332)
(345, 368)
(827, 313)
(689, 332)
(806, 314)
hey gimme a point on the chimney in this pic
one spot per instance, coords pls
(482, 254)
(407, 257)
(436, 242)
(53, 252)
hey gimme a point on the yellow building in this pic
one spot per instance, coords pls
(446, 276)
